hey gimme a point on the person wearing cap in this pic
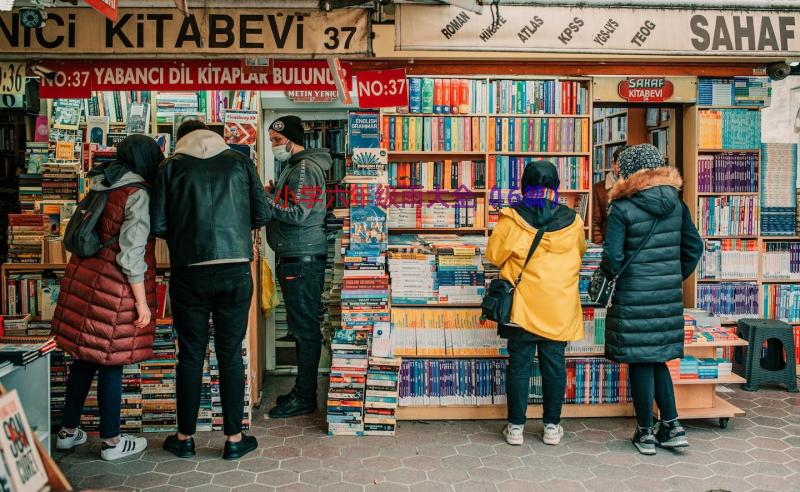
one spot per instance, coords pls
(296, 232)
(207, 201)
(546, 311)
(644, 325)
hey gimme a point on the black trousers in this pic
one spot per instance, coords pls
(518, 378)
(648, 382)
(109, 395)
(301, 284)
(222, 292)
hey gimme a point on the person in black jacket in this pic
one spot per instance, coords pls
(207, 201)
(644, 325)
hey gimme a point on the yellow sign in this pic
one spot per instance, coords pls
(160, 31)
(12, 78)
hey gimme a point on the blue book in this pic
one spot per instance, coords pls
(511, 125)
(498, 134)
(448, 134)
(364, 130)
(415, 95)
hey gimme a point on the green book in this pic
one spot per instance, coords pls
(427, 96)
(420, 133)
(202, 97)
(524, 131)
(405, 132)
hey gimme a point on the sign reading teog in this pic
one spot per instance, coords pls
(645, 89)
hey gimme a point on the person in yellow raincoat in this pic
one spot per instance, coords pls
(546, 312)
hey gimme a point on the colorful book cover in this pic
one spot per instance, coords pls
(241, 127)
(67, 113)
(138, 118)
(42, 129)
(370, 163)
(97, 129)
(113, 139)
(364, 130)
(25, 467)
(368, 231)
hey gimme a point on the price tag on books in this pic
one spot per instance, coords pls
(382, 88)
(12, 78)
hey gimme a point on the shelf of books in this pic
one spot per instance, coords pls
(69, 140)
(609, 132)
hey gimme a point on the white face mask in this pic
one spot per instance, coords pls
(282, 152)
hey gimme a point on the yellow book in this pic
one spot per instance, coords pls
(491, 138)
(412, 133)
(504, 131)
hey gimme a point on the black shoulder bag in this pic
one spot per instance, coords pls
(601, 288)
(496, 305)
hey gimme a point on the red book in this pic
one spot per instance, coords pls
(455, 96)
(466, 107)
(446, 96)
(437, 95)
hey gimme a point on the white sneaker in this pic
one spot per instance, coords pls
(513, 434)
(552, 434)
(69, 441)
(127, 446)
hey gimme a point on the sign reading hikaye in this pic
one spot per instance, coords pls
(645, 89)
(160, 31)
(598, 30)
(382, 88)
(79, 79)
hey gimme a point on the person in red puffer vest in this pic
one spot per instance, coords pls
(104, 316)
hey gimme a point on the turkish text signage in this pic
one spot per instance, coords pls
(159, 31)
(598, 30)
(645, 89)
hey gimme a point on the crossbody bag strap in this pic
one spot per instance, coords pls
(534, 245)
(641, 245)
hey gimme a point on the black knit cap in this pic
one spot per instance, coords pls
(290, 127)
(541, 174)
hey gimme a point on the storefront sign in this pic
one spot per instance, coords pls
(382, 88)
(598, 30)
(213, 31)
(12, 77)
(307, 96)
(109, 8)
(645, 89)
(79, 79)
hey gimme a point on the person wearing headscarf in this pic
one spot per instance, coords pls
(546, 312)
(644, 325)
(104, 316)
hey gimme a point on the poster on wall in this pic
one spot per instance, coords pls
(561, 29)
(241, 127)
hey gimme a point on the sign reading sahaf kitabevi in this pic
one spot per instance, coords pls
(160, 31)
(598, 30)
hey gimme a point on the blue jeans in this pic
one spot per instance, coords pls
(109, 395)
(518, 378)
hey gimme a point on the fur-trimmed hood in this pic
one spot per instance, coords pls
(654, 190)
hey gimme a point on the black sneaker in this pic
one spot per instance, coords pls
(671, 435)
(235, 450)
(645, 440)
(294, 407)
(284, 399)
(181, 449)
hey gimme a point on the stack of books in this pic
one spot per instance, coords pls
(60, 181)
(778, 189)
(16, 325)
(24, 353)
(538, 97)
(589, 264)
(728, 215)
(168, 104)
(590, 380)
(30, 192)
(442, 96)
(25, 236)
(452, 382)
(131, 409)
(691, 367)
(382, 396)
(729, 259)
(159, 411)
(414, 279)
(538, 134)
(728, 171)
(594, 333)
(689, 327)
(452, 332)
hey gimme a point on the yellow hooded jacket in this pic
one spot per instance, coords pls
(546, 302)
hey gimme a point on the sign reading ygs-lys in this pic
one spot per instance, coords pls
(160, 31)
(598, 30)
(645, 89)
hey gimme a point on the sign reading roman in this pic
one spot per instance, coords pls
(159, 31)
(598, 30)
(645, 89)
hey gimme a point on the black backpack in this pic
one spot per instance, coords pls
(81, 237)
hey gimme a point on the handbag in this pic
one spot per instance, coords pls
(496, 304)
(601, 287)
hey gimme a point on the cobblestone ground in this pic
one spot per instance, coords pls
(758, 452)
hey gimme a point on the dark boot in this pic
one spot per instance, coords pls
(293, 407)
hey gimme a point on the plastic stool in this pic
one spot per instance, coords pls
(756, 332)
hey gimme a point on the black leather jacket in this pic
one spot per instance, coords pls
(207, 201)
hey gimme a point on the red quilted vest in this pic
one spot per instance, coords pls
(93, 320)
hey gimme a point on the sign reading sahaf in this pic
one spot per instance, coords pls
(79, 79)
(645, 89)
(382, 88)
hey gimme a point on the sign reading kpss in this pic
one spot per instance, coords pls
(160, 31)
(382, 88)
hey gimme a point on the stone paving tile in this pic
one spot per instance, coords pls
(758, 452)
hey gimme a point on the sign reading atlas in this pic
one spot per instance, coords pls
(645, 89)
(598, 30)
(204, 31)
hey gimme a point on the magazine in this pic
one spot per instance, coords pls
(138, 118)
(368, 230)
(24, 465)
(97, 129)
(370, 164)
(67, 113)
(241, 127)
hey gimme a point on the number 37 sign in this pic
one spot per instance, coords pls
(382, 88)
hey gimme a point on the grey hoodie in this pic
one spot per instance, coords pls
(298, 206)
(135, 228)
